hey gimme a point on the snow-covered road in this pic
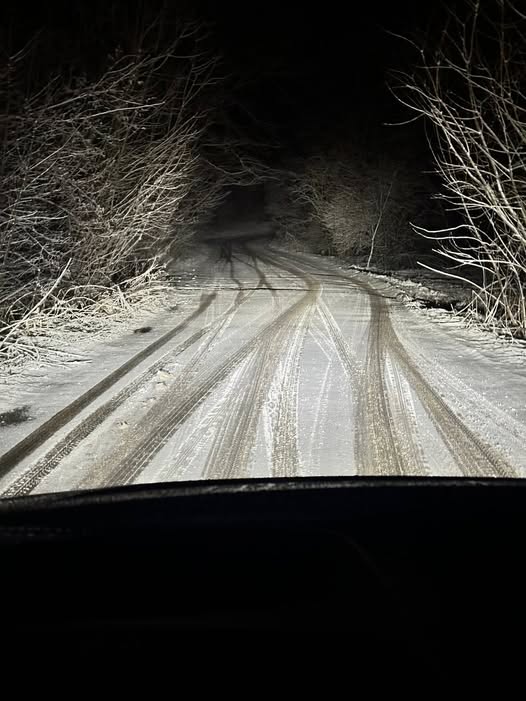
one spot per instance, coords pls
(281, 365)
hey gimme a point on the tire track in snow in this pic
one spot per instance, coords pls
(375, 444)
(163, 420)
(346, 355)
(376, 449)
(285, 456)
(473, 455)
(191, 444)
(30, 479)
(230, 451)
(405, 421)
(229, 454)
(330, 336)
(37, 437)
(386, 432)
(202, 433)
(320, 418)
(206, 428)
(482, 411)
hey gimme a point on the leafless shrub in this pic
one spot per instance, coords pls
(100, 179)
(471, 90)
(364, 206)
(291, 219)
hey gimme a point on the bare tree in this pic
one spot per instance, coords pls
(471, 89)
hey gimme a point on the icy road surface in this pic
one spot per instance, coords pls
(278, 365)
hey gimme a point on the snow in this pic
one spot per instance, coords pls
(249, 389)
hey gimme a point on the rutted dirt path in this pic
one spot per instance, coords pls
(283, 357)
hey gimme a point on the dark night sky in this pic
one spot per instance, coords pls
(318, 64)
(299, 64)
(335, 47)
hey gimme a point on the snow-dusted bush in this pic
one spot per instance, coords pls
(363, 204)
(99, 178)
